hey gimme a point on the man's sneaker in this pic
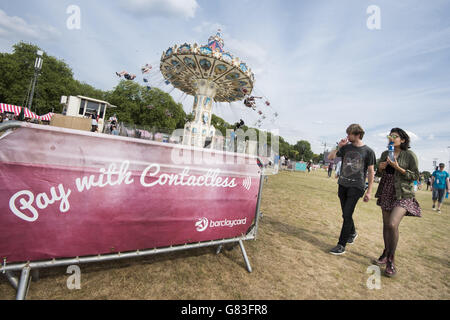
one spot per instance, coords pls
(438, 210)
(434, 207)
(339, 249)
(352, 238)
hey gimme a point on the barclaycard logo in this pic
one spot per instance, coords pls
(203, 223)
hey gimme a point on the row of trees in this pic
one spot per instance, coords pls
(136, 104)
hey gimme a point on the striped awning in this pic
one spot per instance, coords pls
(46, 117)
(10, 108)
(27, 112)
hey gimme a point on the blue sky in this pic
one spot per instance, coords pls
(317, 61)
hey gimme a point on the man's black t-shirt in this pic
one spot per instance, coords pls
(355, 161)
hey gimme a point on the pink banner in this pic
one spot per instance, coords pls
(68, 193)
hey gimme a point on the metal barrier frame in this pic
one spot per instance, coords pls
(30, 269)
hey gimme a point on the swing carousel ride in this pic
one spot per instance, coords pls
(211, 76)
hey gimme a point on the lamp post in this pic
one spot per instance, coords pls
(37, 69)
(324, 145)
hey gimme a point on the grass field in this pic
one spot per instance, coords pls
(290, 260)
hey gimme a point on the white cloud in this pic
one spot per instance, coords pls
(208, 27)
(18, 28)
(414, 137)
(383, 134)
(248, 51)
(167, 8)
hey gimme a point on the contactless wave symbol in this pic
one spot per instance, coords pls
(247, 183)
(201, 224)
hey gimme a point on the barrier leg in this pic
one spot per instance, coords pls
(35, 275)
(247, 263)
(219, 249)
(23, 284)
(258, 214)
(12, 279)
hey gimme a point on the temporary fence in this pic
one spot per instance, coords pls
(295, 166)
(71, 197)
(271, 162)
(141, 132)
(300, 166)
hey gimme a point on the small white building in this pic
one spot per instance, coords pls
(84, 107)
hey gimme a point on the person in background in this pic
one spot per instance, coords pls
(308, 166)
(330, 169)
(94, 123)
(112, 122)
(396, 195)
(439, 185)
(114, 131)
(126, 75)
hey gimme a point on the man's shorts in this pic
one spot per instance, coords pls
(438, 194)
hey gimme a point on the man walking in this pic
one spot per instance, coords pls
(358, 162)
(330, 169)
(439, 184)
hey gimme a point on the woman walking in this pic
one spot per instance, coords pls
(395, 194)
